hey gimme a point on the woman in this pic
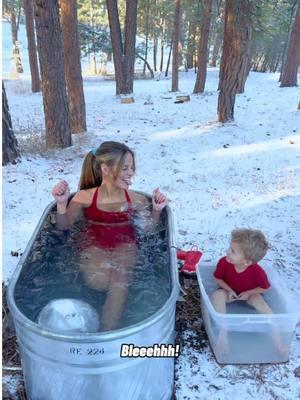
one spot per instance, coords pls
(109, 249)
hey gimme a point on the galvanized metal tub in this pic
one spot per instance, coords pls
(88, 366)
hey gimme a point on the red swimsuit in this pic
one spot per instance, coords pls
(108, 236)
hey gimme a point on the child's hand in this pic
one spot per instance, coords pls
(159, 200)
(61, 192)
(243, 296)
(232, 296)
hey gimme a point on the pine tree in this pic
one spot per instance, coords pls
(50, 49)
(292, 60)
(10, 152)
(69, 24)
(235, 48)
(176, 35)
(124, 53)
(32, 53)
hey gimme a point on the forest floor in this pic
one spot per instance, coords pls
(218, 176)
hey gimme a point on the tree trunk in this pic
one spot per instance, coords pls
(161, 55)
(10, 152)
(191, 44)
(14, 34)
(169, 59)
(162, 44)
(176, 33)
(236, 37)
(32, 54)
(147, 65)
(246, 61)
(123, 60)
(71, 46)
(203, 49)
(147, 39)
(292, 60)
(129, 47)
(155, 46)
(49, 40)
(117, 44)
(216, 50)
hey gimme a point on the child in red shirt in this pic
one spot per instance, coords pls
(240, 277)
(238, 274)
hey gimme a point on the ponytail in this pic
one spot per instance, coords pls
(90, 173)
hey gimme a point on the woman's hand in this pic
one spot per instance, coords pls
(61, 192)
(159, 200)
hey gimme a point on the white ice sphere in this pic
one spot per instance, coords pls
(69, 316)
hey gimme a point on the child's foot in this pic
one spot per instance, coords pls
(222, 346)
(279, 344)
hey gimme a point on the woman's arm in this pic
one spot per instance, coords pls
(67, 214)
(142, 203)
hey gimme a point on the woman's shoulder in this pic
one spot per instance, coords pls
(138, 198)
(85, 196)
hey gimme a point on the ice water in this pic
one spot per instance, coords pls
(52, 271)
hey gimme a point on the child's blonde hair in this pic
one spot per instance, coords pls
(252, 242)
(109, 153)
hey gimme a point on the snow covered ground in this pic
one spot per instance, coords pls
(219, 177)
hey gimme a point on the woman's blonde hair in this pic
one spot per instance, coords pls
(110, 153)
(252, 242)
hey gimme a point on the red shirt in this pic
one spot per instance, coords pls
(254, 276)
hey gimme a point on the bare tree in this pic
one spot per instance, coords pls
(10, 152)
(292, 59)
(73, 74)
(124, 54)
(235, 47)
(49, 40)
(176, 35)
(203, 48)
(33, 62)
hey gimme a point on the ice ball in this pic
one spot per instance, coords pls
(69, 316)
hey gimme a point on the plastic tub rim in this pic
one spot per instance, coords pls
(259, 318)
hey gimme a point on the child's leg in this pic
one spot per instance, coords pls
(219, 299)
(257, 301)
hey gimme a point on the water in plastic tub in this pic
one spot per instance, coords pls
(252, 337)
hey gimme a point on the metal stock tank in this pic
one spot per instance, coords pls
(88, 366)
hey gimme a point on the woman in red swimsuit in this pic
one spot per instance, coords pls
(109, 249)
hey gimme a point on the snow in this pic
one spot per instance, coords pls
(218, 177)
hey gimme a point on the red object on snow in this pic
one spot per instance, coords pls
(191, 259)
(181, 254)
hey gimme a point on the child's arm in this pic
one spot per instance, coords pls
(231, 293)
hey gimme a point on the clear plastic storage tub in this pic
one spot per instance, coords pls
(251, 337)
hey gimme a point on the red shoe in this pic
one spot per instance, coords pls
(191, 260)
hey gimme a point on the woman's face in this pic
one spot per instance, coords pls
(124, 179)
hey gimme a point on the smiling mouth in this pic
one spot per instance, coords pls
(127, 181)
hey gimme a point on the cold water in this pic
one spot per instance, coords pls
(52, 271)
(251, 337)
